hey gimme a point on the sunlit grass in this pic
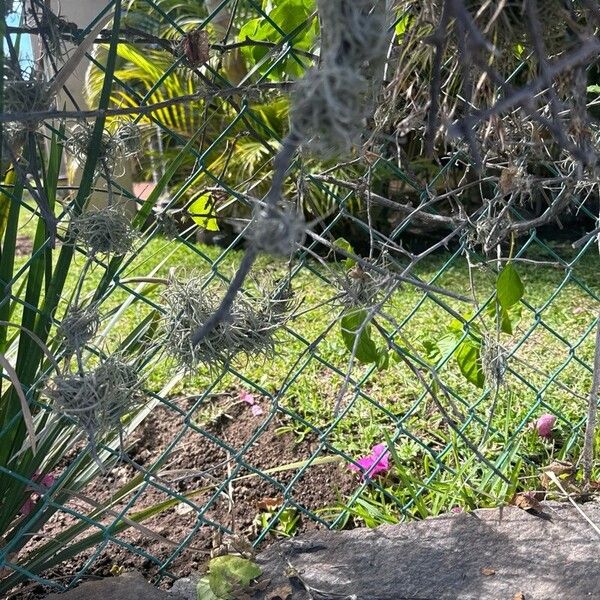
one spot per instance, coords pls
(549, 368)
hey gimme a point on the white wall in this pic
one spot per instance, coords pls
(83, 12)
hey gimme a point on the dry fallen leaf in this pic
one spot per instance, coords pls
(527, 501)
(283, 592)
(565, 471)
(487, 571)
(261, 585)
(269, 504)
(519, 596)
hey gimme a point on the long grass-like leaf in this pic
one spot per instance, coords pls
(27, 418)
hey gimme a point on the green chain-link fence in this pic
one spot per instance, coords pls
(451, 374)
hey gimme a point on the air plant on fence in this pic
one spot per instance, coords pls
(115, 147)
(362, 286)
(330, 104)
(329, 112)
(24, 96)
(96, 398)
(494, 361)
(249, 331)
(277, 230)
(78, 326)
(105, 230)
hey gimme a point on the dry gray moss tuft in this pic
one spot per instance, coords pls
(115, 147)
(24, 96)
(330, 104)
(96, 399)
(277, 230)
(249, 331)
(78, 327)
(104, 231)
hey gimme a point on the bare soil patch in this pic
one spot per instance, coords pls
(193, 441)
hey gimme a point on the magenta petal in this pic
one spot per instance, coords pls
(257, 410)
(381, 457)
(544, 425)
(247, 397)
(379, 467)
(27, 506)
(376, 462)
(48, 480)
(362, 464)
(379, 449)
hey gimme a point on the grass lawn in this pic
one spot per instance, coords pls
(546, 369)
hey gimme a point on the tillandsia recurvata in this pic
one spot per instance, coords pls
(329, 109)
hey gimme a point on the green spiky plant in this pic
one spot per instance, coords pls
(41, 291)
(239, 137)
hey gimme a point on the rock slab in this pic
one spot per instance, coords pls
(130, 586)
(500, 554)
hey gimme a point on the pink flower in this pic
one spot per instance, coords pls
(544, 425)
(28, 505)
(45, 481)
(249, 399)
(377, 462)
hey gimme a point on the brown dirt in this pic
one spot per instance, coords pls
(24, 245)
(231, 421)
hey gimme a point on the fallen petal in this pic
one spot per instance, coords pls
(376, 462)
(544, 425)
(248, 398)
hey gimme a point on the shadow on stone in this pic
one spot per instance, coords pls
(484, 555)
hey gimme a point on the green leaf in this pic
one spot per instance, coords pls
(346, 246)
(204, 591)
(366, 351)
(505, 322)
(230, 574)
(507, 318)
(468, 357)
(383, 360)
(289, 17)
(447, 343)
(593, 89)
(202, 211)
(432, 351)
(510, 318)
(402, 25)
(509, 287)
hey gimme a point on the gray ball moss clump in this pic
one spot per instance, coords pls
(24, 96)
(114, 148)
(249, 331)
(96, 399)
(277, 230)
(78, 327)
(331, 104)
(104, 231)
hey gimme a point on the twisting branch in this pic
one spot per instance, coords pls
(281, 164)
(34, 116)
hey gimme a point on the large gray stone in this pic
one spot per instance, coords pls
(130, 586)
(501, 554)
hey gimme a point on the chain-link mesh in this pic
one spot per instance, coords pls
(255, 432)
